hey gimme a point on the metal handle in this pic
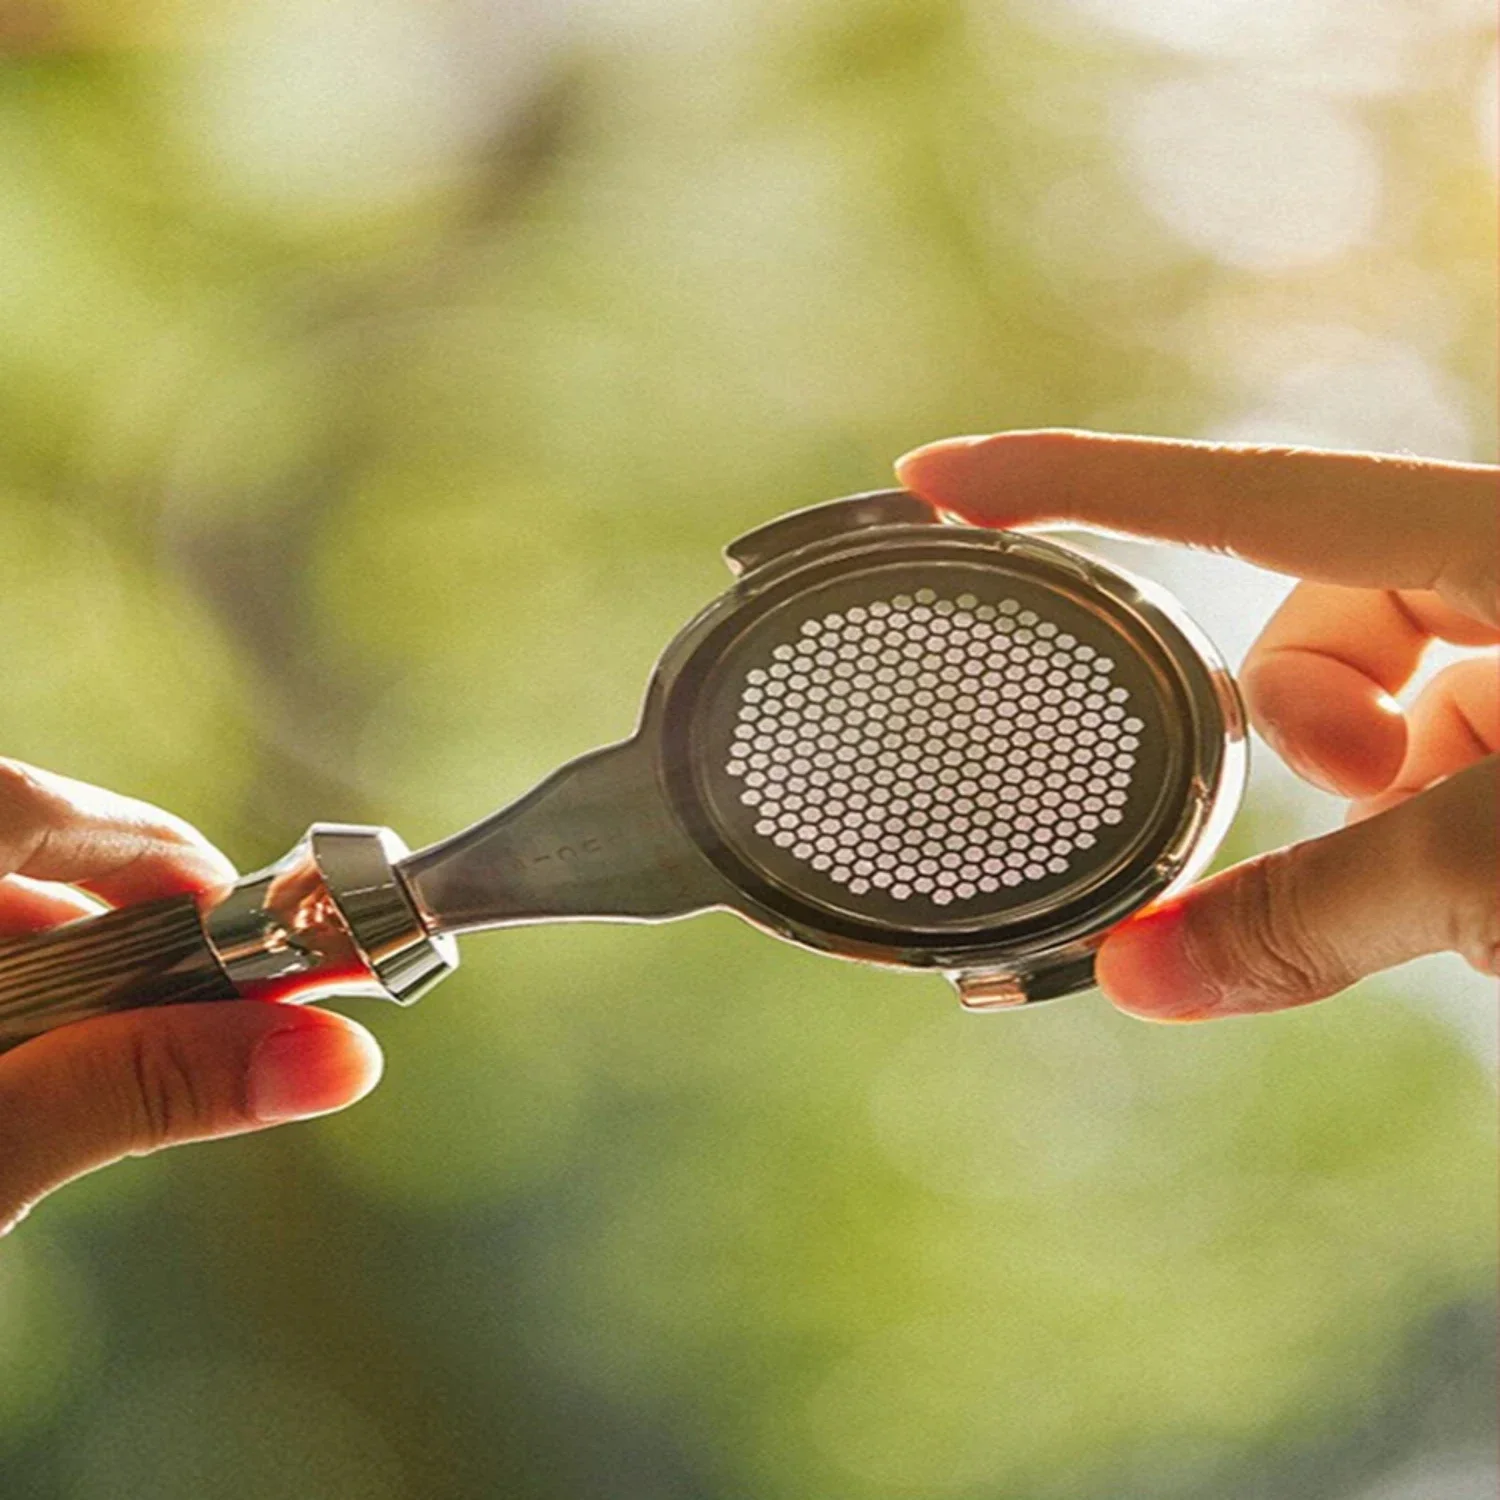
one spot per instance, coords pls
(330, 918)
(156, 954)
(595, 839)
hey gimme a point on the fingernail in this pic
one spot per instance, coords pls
(908, 467)
(311, 1069)
(923, 457)
(1147, 970)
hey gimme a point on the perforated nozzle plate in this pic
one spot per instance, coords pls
(935, 746)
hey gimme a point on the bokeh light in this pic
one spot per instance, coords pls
(48, 1336)
(378, 384)
(238, 1431)
(1344, 389)
(1256, 176)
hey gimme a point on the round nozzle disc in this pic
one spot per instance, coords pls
(954, 741)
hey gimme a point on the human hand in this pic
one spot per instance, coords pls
(87, 1094)
(1394, 553)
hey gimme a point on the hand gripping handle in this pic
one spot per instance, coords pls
(332, 917)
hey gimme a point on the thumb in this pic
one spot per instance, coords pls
(1303, 922)
(85, 1095)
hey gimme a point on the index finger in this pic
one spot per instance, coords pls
(1359, 519)
(55, 828)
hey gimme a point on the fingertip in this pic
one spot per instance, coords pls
(1007, 478)
(1145, 970)
(944, 472)
(1335, 727)
(207, 881)
(918, 460)
(197, 866)
(316, 1064)
(218, 869)
(361, 1061)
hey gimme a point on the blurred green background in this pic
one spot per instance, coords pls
(378, 381)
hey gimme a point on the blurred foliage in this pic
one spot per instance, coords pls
(377, 384)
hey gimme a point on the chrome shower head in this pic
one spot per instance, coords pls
(894, 739)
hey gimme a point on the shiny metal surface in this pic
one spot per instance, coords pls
(330, 917)
(595, 839)
(820, 523)
(359, 867)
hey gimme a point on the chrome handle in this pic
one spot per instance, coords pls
(331, 917)
(155, 954)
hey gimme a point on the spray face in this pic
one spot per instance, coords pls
(892, 740)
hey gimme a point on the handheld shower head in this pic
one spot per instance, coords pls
(893, 739)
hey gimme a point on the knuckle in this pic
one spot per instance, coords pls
(19, 780)
(1459, 851)
(29, 814)
(34, 810)
(1258, 470)
(156, 824)
(1264, 941)
(166, 1099)
(1474, 921)
(26, 802)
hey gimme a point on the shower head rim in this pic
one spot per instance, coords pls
(1163, 847)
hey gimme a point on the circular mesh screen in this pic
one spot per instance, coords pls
(931, 748)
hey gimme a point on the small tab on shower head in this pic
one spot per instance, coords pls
(988, 989)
